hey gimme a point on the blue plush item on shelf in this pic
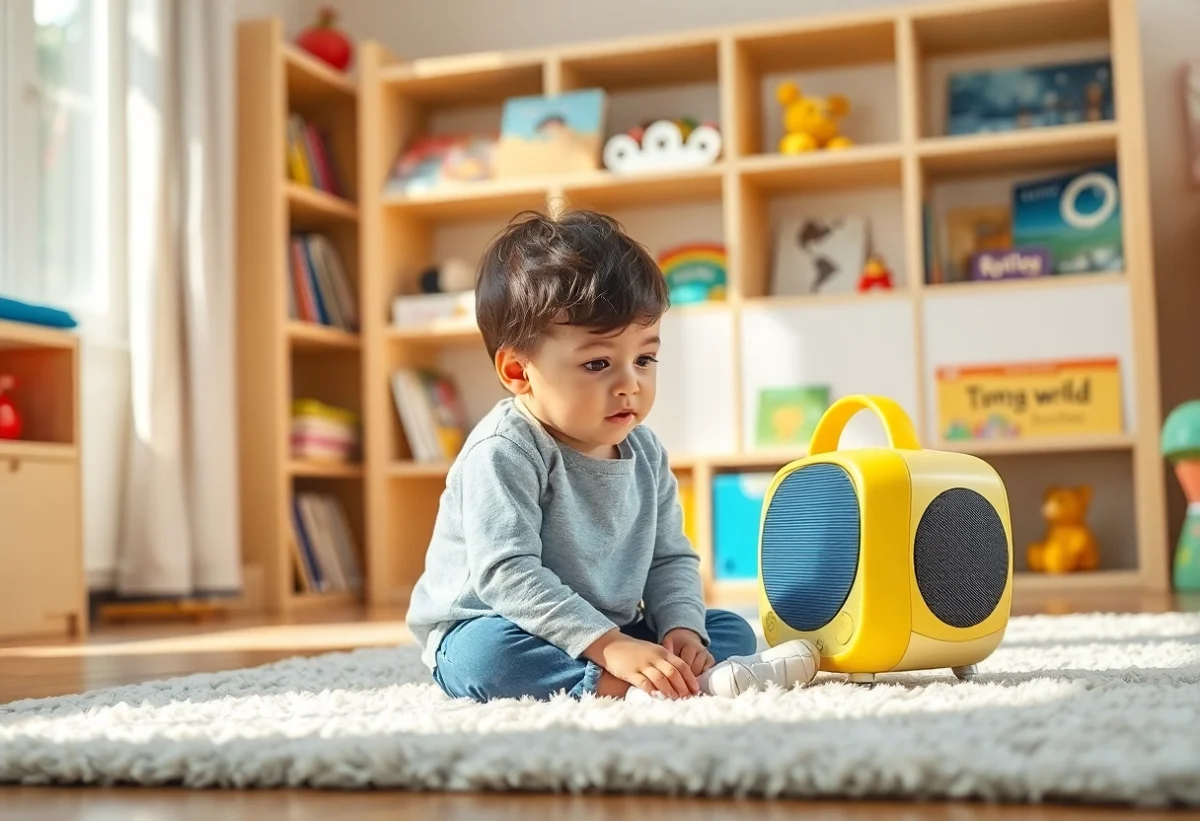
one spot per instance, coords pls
(16, 311)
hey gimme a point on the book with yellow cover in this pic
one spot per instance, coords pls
(687, 502)
(1029, 399)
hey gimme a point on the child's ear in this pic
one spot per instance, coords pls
(511, 370)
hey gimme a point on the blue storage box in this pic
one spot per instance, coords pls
(737, 513)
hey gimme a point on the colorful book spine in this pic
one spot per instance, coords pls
(310, 157)
(326, 552)
(323, 433)
(431, 413)
(319, 289)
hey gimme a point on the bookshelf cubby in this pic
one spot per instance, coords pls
(43, 590)
(892, 64)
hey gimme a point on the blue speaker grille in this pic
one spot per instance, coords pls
(810, 544)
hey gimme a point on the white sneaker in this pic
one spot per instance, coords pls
(792, 663)
(640, 695)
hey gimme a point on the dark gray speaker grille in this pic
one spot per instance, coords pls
(961, 557)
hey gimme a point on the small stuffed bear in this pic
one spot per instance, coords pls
(1069, 544)
(810, 123)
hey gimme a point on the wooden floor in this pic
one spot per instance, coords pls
(116, 655)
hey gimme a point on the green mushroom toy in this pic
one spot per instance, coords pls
(1181, 445)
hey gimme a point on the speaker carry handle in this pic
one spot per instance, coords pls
(899, 428)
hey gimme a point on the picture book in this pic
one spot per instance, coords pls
(787, 416)
(972, 229)
(324, 550)
(543, 135)
(1075, 217)
(695, 272)
(687, 504)
(435, 161)
(319, 290)
(1191, 109)
(431, 413)
(819, 256)
(311, 160)
(1029, 399)
(934, 270)
(323, 433)
(1008, 99)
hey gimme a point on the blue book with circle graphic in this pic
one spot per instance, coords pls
(1076, 218)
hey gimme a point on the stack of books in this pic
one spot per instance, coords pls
(323, 433)
(431, 413)
(318, 288)
(325, 551)
(310, 157)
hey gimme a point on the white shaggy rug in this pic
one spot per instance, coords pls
(1087, 708)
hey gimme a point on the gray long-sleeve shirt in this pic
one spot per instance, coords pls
(564, 545)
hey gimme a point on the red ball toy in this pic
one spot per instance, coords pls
(325, 42)
(10, 420)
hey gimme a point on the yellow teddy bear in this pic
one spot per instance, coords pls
(810, 123)
(1069, 544)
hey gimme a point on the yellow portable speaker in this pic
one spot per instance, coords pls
(888, 559)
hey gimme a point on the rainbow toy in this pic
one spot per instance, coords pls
(695, 272)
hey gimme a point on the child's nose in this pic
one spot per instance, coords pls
(626, 384)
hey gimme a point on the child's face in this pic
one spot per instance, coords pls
(592, 389)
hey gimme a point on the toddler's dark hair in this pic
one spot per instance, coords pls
(580, 268)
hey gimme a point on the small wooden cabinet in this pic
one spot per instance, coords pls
(43, 588)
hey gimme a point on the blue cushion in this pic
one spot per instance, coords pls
(16, 311)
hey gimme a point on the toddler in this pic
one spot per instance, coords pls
(558, 561)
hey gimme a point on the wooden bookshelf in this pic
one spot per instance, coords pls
(43, 590)
(706, 410)
(280, 358)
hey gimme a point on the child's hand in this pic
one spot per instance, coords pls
(688, 646)
(645, 665)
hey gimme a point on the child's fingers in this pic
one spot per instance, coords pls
(661, 681)
(642, 683)
(689, 683)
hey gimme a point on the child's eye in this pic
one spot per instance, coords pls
(646, 361)
(596, 365)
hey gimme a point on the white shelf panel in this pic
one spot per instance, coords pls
(1028, 324)
(693, 410)
(866, 347)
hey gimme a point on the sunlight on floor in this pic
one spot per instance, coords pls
(331, 636)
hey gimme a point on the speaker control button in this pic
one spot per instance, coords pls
(843, 627)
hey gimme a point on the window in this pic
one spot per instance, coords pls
(56, 218)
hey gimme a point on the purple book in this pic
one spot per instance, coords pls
(1015, 263)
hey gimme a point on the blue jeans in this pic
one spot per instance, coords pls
(490, 657)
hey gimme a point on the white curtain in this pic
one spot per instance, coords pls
(179, 534)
